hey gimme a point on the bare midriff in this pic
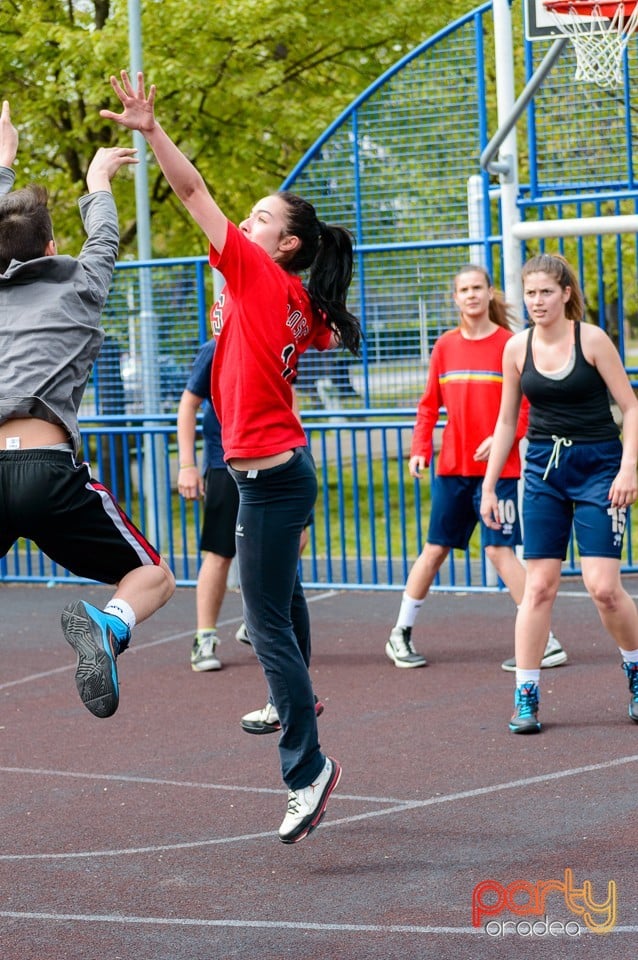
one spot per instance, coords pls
(261, 463)
(30, 432)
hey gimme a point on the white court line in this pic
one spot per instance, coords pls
(257, 924)
(136, 647)
(189, 784)
(262, 924)
(402, 807)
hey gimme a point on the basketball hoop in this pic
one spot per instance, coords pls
(599, 32)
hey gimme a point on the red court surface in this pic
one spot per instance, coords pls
(152, 835)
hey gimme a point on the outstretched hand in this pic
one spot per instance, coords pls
(105, 164)
(8, 137)
(138, 108)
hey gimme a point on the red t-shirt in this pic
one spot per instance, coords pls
(465, 377)
(262, 322)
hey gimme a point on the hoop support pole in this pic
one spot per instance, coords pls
(503, 166)
(577, 227)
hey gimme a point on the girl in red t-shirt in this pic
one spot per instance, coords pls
(465, 376)
(264, 319)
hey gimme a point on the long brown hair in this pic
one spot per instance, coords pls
(500, 312)
(557, 267)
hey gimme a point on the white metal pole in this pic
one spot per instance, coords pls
(475, 218)
(155, 486)
(512, 257)
(578, 227)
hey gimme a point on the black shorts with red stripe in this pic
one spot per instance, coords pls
(48, 498)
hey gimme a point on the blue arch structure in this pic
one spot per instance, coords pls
(400, 168)
(398, 165)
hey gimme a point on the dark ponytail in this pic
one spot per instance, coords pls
(326, 253)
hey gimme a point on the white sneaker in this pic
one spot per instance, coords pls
(242, 635)
(554, 656)
(267, 720)
(307, 806)
(399, 649)
(203, 653)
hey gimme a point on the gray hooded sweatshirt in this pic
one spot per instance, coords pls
(50, 311)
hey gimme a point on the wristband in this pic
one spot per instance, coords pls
(186, 466)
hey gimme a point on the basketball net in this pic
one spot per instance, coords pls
(599, 33)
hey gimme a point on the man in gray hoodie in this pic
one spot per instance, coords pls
(50, 335)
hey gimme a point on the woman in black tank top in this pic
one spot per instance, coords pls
(577, 470)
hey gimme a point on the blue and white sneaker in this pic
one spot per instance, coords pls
(97, 638)
(631, 669)
(525, 717)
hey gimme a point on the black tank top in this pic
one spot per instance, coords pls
(575, 406)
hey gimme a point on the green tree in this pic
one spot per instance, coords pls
(244, 86)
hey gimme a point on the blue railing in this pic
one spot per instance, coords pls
(370, 519)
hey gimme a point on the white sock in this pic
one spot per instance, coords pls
(123, 610)
(629, 656)
(527, 676)
(408, 611)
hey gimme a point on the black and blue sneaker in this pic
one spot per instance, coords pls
(97, 638)
(631, 669)
(525, 716)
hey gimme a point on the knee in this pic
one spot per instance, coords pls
(607, 597)
(540, 593)
(167, 581)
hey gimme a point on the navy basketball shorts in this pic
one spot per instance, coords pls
(456, 510)
(46, 497)
(576, 490)
(221, 503)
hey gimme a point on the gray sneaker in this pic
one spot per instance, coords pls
(203, 653)
(554, 656)
(399, 649)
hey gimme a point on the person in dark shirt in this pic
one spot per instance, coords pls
(577, 470)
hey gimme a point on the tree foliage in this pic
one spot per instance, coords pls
(244, 86)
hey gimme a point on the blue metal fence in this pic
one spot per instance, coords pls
(400, 168)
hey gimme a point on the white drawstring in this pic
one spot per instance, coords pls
(555, 454)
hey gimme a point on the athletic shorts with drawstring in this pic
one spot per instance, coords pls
(48, 498)
(571, 485)
(456, 510)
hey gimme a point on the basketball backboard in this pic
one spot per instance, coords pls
(540, 23)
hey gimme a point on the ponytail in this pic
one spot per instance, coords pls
(326, 252)
(328, 281)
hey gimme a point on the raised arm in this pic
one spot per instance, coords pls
(186, 181)
(105, 164)
(8, 137)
